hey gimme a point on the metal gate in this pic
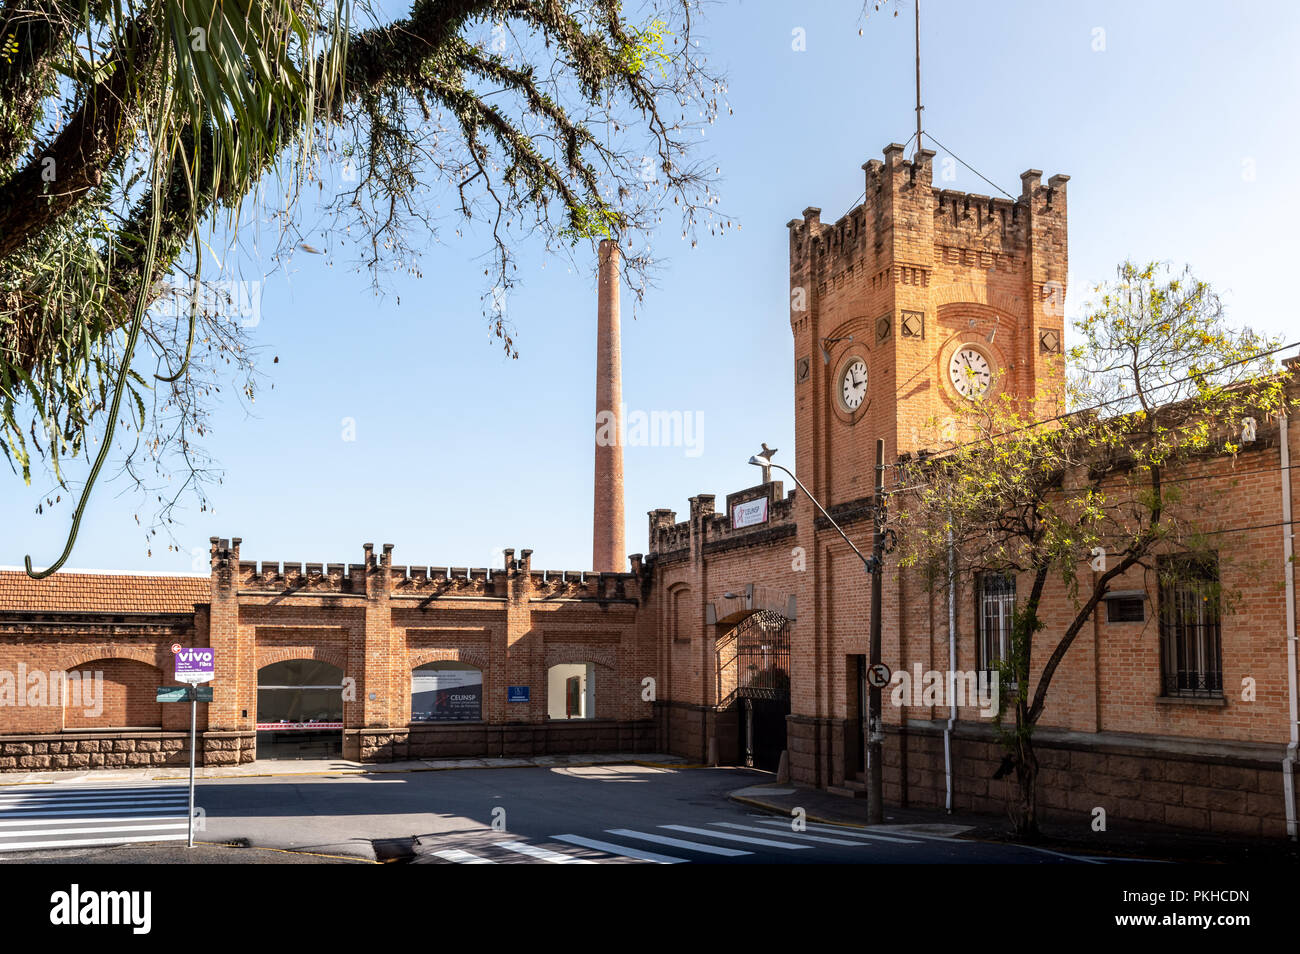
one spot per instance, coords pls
(762, 644)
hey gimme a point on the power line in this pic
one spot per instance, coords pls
(1209, 533)
(970, 167)
(1116, 400)
(1233, 475)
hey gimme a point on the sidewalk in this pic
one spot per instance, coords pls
(1075, 837)
(277, 768)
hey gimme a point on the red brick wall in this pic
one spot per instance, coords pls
(129, 696)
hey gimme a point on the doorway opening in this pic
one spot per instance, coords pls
(761, 646)
(299, 710)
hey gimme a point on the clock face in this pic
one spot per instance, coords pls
(853, 384)
(970, 372)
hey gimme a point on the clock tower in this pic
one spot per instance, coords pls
(917, 300)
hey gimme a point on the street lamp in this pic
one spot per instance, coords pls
(872, 564)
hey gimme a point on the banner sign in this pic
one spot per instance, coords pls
(749, 513)
(195, 665)
(446, 695)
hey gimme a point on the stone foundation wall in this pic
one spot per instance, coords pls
(820, 749)
(499, 741)
(127, 749)
(684, 729)
(1139, 781)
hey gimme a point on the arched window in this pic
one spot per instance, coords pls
(113, 694)
(446, 692)
(571, 691)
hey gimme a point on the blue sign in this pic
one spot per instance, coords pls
(516, 694)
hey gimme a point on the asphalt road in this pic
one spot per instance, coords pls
(600, 814)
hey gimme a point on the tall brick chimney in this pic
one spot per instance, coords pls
(609, 550)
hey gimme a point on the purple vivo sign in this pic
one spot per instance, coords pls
(195, 665)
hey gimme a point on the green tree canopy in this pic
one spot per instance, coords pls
(134, 133)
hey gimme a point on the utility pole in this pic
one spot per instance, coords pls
(875, 727)
(194, 715)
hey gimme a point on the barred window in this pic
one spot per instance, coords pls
(1190, 646)
(996, 600)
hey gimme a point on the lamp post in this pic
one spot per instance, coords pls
(872, 564)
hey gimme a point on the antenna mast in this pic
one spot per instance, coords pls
(919, 107)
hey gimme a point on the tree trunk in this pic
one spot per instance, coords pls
(1027, 778)
(1026, 763)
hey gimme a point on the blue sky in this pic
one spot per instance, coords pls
(1176, 124)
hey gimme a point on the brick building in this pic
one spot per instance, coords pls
(742, 633)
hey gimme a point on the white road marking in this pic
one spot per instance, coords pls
(181, 806)
(608, 846)
(82, 831)
(746, 839)
(794, 834)
(81, 802)
(463, 857)
(847, 832)
(677, 842)
(87, 819)
(19, 846)
(532, 851)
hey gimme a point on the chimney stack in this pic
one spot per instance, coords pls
(609, 548)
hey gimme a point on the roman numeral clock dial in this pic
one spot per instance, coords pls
(853, 385)
(970, 373)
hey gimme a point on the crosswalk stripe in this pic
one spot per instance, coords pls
(608, 846)
(30, 822)
(532, 851)
(677, 842)
(82, 831)
(83, 842)
(745, 839)
(33, 792)
(168, 800)
(463, 857)
(794, 834)
(182, 807)
(849, 833)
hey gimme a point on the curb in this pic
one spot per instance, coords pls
(376, 771)
(779, 810)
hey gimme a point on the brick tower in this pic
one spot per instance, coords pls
(891, 306)
(888, 300)
(609, 548)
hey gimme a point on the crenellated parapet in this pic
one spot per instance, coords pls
(583, 585)
(311, 577)
(438, 581)
(904, 226)
(376, 576)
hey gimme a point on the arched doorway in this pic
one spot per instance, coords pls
(299, 710)
(757, 651)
